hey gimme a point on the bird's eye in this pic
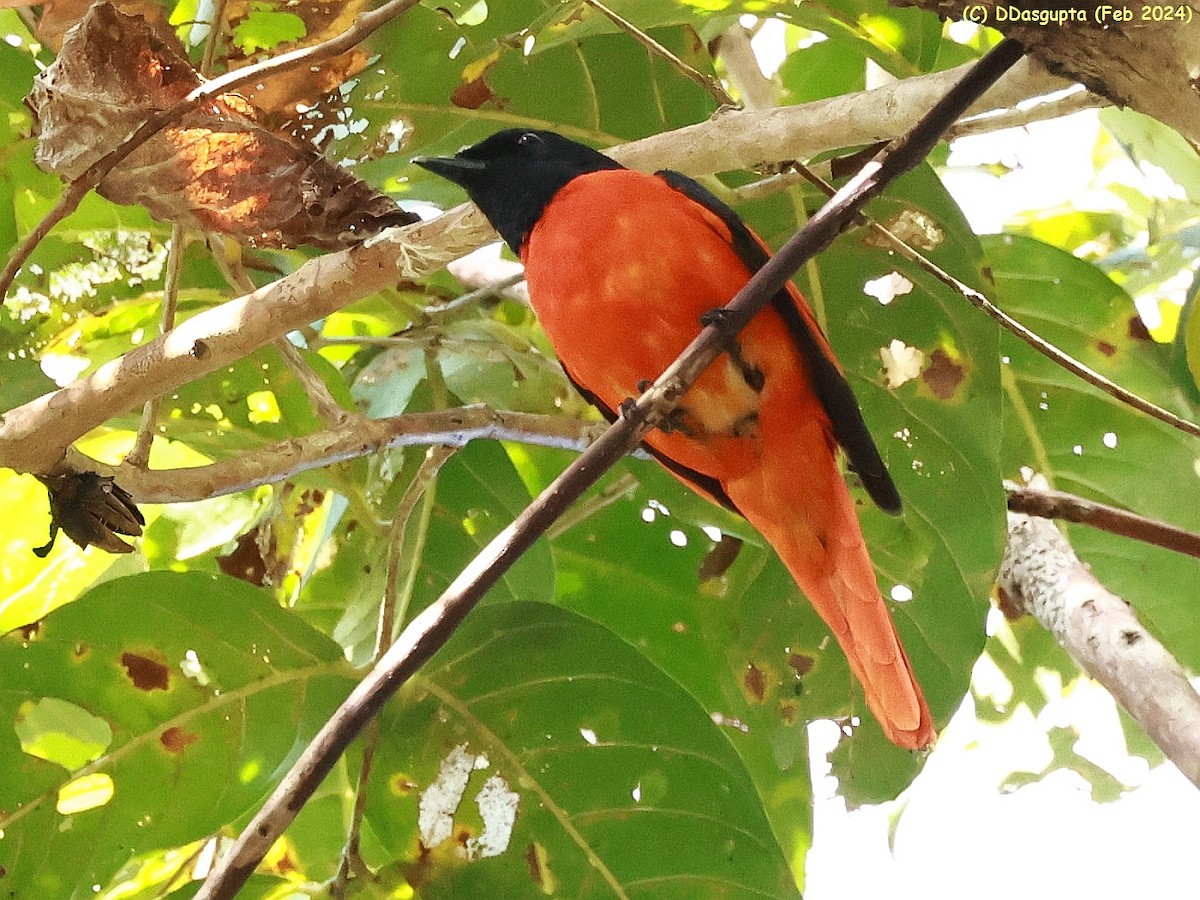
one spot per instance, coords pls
(529, 139)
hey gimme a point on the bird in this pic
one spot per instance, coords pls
(624, 268)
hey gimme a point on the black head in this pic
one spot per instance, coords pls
(513, 174)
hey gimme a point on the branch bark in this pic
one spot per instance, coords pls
(1042, 575)
(1148, 63)
(1050, 504)
(355, 437)
(748, 139)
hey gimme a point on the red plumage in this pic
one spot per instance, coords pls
(621, 267)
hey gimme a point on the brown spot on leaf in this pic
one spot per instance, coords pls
(30, 631)
(789, 711)
(718, 560)
(175, 739)
(1138, 330)
(800, 663)
(754, 682)
(472, 94)
(80, 650)
(282, 859)
(914, 228)
(247, 561)
(1108, 349)
(943, 375)
(401, 784)
(146, 674)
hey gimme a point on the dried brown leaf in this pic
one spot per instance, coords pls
(277, 97)
(59, 15)
(216, 170)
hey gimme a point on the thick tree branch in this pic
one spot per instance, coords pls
(34, 437)
(433, 627)
(747, 139)
(1042, 575)
(1148, 62)
(1050, 504)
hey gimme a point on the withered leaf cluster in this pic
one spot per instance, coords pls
(216, 170)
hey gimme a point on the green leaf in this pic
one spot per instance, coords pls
(446, 86)
(1149, 141)
(609, 760)
(1085, 441)
(265, 27)
(208, 689)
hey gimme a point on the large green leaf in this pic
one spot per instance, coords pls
(1085, 441)
(180, 698)
(444, 85)
(622, 783)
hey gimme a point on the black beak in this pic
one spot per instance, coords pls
(454, 168)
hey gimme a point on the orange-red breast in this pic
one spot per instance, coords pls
(621, 268)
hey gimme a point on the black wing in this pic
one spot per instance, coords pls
(830, 384)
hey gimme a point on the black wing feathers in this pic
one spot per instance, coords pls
(831, 386)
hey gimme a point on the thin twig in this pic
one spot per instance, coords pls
(394, 607)
(139, 455)
(433, 626)
(1021, 115)
(710, 83)
(1032, 338)
(324, 404)
(1046, 503)
(487, 292)
(741, 64)
(621, 487)
(354, 438)
(74, 192)
(352, 862)
(214, 38)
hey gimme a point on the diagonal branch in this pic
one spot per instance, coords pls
(34, 437)
(433, 627)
